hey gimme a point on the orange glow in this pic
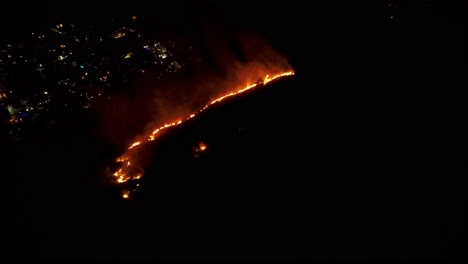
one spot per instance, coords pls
(135, 144)
(122, 176)
(201, 146)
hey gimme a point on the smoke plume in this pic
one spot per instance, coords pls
(229, 61)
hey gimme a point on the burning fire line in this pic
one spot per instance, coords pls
(122, 177)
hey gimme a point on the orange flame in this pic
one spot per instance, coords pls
(134, 144)
(122, 177)
(201, 146)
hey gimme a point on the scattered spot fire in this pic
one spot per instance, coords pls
(200, 148)
(128, 171)
(126, 195)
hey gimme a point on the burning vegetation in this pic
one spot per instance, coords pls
(129, 171)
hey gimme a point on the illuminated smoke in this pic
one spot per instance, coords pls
(156, 105)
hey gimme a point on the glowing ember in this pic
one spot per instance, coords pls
(201, 146)
(132, 173)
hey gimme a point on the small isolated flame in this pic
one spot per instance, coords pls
(128, 172)
(201, 146)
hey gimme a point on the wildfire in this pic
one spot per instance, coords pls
(126, 172)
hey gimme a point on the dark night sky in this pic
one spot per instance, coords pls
(291, 20)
